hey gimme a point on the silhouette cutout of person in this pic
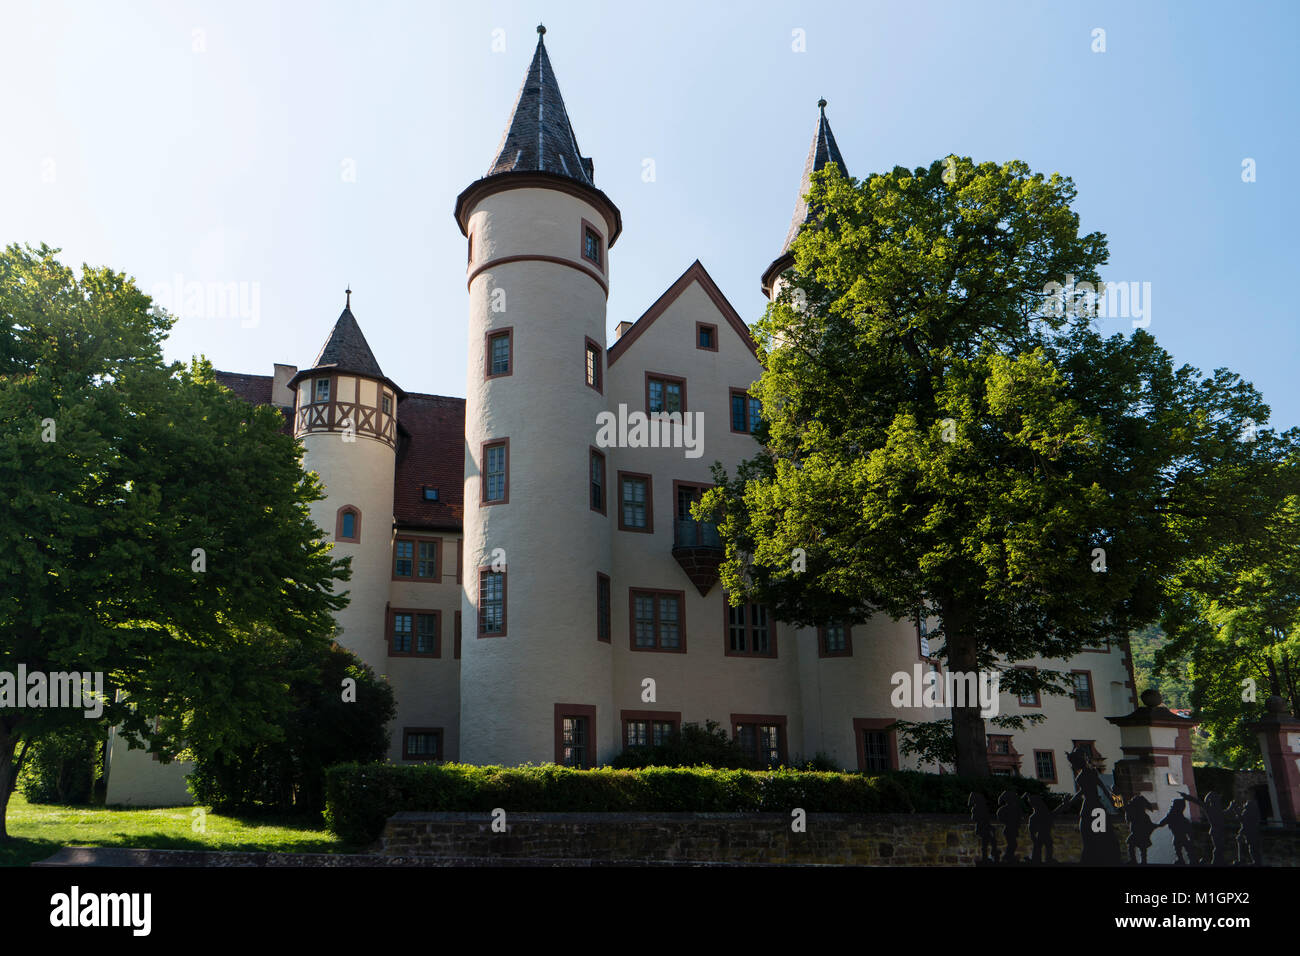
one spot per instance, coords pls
(1040, 830)
(983, 820)
(1100, 847)
(1140, 827)
(1009, 814)
(1248, 838)
(1181, 828)
(1218, 820)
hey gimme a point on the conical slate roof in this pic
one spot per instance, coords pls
(822, 152)
(346, 347)
(540, 137)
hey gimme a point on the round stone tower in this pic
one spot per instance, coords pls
(535, 678)
(345, 415)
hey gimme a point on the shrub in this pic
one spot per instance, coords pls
(62, 766)
(949, 793)
(691, 746)
(361, 797)
(321, 730)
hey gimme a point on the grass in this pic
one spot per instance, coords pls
(39, 830)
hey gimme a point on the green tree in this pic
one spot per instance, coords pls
(325, 727)
(944, 429)
(1234, 618)
(157, 528)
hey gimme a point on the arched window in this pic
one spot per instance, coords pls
(348, 524)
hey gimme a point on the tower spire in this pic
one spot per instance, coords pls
(539, 137)
(821, 153)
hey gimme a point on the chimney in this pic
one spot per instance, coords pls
(621, 328)
(281, 394)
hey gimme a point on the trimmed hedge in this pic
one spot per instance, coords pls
(359, 798)
(949, 793)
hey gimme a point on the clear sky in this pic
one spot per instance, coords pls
(297, 147)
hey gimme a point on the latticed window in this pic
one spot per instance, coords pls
(875, 750)
(647, 733)
(1083, 691)
(426, 633)
(423, 745)
(404, 554)
(748, 631)
(657, 620)
(635, 510)
(401, 641)
(499, 353)
(427, 566)
(591, 245)
(492, 602)
(835, 639)
(665, 395)
(495, 473)
(573, 750)
(322, 390)
(1044, 765)
(593, 366)
(761, 741)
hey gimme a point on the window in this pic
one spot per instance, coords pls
(999, 744)
(491, 603)
(322, 390)
(1083, 690)
(706, 337)
(877, 744)
(646, 728)
(591, 244)
(1045, 765)
(636, 504)
(421, 743)
(417, 559)
(745, 411)
(597, 481)
(658, 620)
(834, 640)
(388, 404)
(430, 494)
(603, 618)
(749, 632)
(460, 560)
(665, 393)
(687, 532)
(500, 353)
(347, 525)
(875, 750)
(414, 633)
(496, 479)
(456, 640)
(762, 737)
(575, 735)
(1030, 698)
(403, 550)
(593, 366)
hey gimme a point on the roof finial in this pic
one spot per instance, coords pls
(348, 290)
(821, 105)
(541, 32)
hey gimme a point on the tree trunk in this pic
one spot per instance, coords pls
(969, 740)
(8, 777)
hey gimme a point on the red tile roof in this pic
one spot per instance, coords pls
(430, 452)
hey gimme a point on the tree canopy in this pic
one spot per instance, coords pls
(157, 528)
(946, 432)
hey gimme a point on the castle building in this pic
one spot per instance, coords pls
(526, 570)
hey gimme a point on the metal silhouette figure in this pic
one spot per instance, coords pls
(1100, 847)
(1218, 820)
(1140, 827)
(1009, 814)
(1249, 843)
(1040, 830)
(983, 820)
(1181, 828)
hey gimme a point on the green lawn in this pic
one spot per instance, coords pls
(39, 830)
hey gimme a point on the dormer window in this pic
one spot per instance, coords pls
(430, 494)
(322, 390)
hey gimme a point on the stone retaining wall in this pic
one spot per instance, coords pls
(860, 839)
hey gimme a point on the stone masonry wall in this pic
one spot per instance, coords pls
(858, 839)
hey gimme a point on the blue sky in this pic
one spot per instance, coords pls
(299, 147)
